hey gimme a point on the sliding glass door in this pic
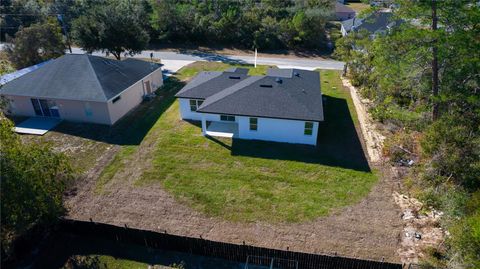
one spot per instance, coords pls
(45, 108)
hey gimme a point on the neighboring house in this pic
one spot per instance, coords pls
(342, 12)
(81, 87)
(283, 106)
(377, 23)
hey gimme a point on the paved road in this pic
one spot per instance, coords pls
(200, 56)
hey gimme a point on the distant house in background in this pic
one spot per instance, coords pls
(377, 23)
(283, 106)
(342, 12)
(81, 87)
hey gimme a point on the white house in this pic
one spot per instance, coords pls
(283, 106)
(81, 87)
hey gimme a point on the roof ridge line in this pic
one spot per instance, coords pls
(253, 78)
(96, 76)
(204, 71)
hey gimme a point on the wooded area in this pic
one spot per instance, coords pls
(109, 25)
(424, 81)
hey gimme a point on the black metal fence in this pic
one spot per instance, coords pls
(226, 251)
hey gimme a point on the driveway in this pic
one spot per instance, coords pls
(184, 57)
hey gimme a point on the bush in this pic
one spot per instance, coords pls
(451, 146)
(401, 146)
(33, 180)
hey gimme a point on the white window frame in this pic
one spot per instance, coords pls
(255, 125)
(307, 130)
(229, 118)
(194, 104)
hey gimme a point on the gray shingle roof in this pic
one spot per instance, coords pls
(80, 77)
(341, 8)
(282, 73)
(217, 81)
(378, 21)
(283, 93)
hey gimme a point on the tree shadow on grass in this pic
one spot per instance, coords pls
(338, 143)
(131, 129)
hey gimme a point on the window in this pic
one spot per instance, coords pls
(45, 108)
(253, 124)
(227, 118)
(116, 99)
(195, 104)
(308, 128)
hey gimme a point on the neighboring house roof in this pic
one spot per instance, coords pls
(80, 77)
(341, 8)
(11, 76)
(347, 25)
(375, 22)
(282, 93)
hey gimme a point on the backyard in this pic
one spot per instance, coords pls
(165, 176)
(252, 180)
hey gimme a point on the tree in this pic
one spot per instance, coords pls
(17, 14)
(423, 78)
(5, 65)
(35, 44)
(32, 184)
(114, 27)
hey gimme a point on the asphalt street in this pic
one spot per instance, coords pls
(300, 63)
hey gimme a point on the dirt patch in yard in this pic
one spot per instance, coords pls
(369, 229)
(83, 143)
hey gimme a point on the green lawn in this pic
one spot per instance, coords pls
(136, 127)
(358, 7)
(191, 70)
(250, 181)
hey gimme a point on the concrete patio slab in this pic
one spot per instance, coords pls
(36, 125)
(222, 129)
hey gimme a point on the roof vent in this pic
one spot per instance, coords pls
(266, 85)
(278, 80)
(234, 77)
(296, 74)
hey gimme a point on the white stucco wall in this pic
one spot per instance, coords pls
(101, 112)
(278, 130)
(68, 109)
(343, 30)
(133, 96)
(187, 114)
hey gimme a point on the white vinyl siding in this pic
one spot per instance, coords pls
(278, 130)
